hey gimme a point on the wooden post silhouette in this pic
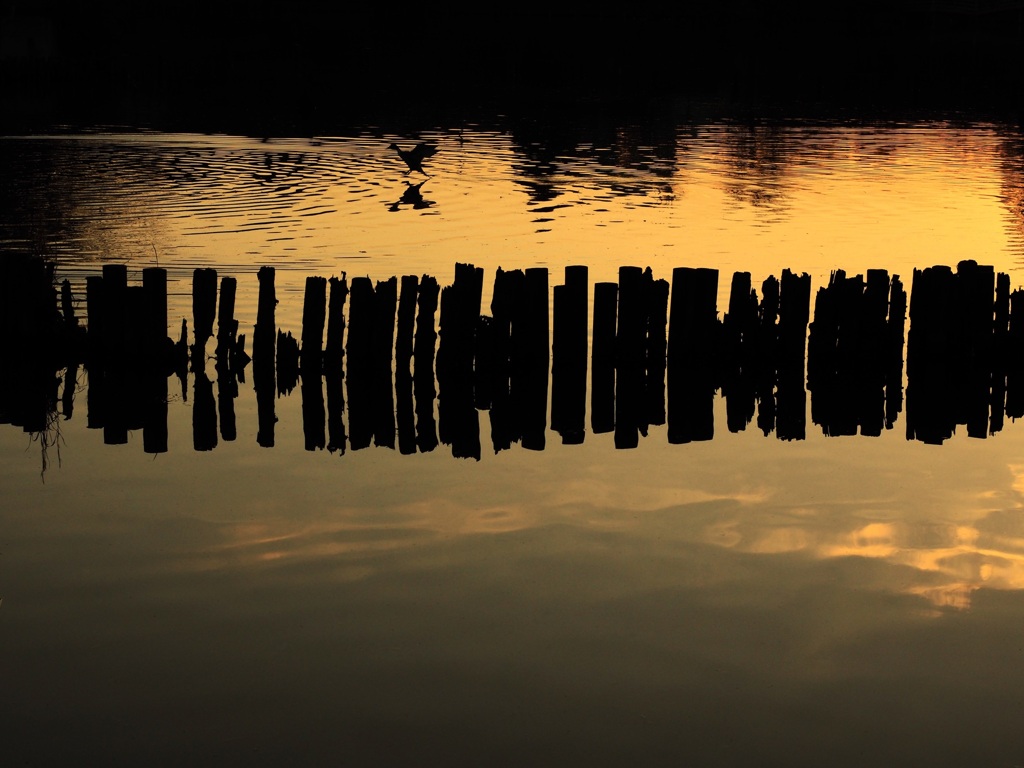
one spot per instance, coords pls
(114, 310)
(974, 339)
(382, 354)
(230, 359)
(404, 412)
(505, 424)
(1015, 356)
(656, 301)
(204, 303)
(738, 353)
(157, 356)
(767, 350)
(359, 356)
(314, 309)
(569, 356)
(534, 342)
(424, 342)
(154, 319)
(334, 352)
(227, 326)
(791, 396)
(602, 377)
(929, 352)
(692, 339)
(630, 345)
(1001, 327)
(895, 334)
(460, 312)
(263, 353)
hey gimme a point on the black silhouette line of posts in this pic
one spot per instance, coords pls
(658, 355)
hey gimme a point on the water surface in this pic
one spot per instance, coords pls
(740, 601)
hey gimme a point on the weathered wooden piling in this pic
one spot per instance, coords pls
(204, 305)
(227, 325)
(951, 352)
(845, 371)
(94, 312)
(383, 341)
(334, 348)
(533, 343)
(31, 323)
(135, 332)
(822, 351)
(266, 325)
(114, 314)
(1000, 333)
(424, 342)
(333, 363)
(873, 354)
(505, 427)
(458, 422)
(314, 309)
(692, 339)
(630, 346)
(766, 352)
(113, 311)
(569, 356)
(28, 362)
(71, 335)
(158, 359)
(1015, 356)
(791, 396)
(895, 330)
(404, 411)
(656, 352)
(602, 376)
(264, 338)
(359, 356)
(314, 313)
(929, 355)
(738, 353)
(974, 339)
(155, 342)
(484, 361)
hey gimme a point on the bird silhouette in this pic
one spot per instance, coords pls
(414, 157)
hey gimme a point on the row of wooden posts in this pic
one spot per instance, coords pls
(655, 354)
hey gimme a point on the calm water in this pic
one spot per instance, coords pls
(743, 601)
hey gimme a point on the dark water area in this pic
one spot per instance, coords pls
(318, 67)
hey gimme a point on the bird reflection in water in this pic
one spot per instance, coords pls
(412, 197)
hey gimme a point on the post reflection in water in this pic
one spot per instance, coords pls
(726, 381)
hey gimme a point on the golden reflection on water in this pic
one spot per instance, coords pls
(734, 197)
(744, 581)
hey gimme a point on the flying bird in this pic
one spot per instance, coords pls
(414, 157)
